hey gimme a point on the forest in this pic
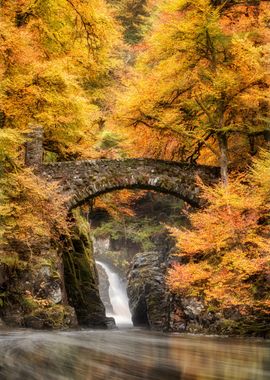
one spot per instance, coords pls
(176, 80)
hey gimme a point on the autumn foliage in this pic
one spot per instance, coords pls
(55, 61)
(183, 80)
(225, 256)
(201, 75)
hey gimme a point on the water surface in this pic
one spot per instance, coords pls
(129, 355)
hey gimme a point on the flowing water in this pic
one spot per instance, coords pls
(118, 297)
(130, 355)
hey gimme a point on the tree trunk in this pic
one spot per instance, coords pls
(223, 147)
(267, 138)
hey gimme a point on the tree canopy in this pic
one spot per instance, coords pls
(202, 77)
(184, 80)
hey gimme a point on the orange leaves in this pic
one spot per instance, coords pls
(188, 278)
(227, 249)
(35, 208)
(119, 203)
(231, 219)
(198, 80)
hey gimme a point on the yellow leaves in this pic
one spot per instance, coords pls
(50, 73)
(182, 278)
(260, 175)
(227, 260)
(31, 208)
(10, 140)
(241, 263)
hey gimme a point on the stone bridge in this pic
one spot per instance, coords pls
(84, 180)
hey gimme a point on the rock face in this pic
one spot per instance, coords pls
(81, 281)
(34, 295)
(148, 297)
(56, 288)
(191, 315)
(152, 305)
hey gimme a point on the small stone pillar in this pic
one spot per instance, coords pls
(34, 147)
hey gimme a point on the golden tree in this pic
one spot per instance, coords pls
(201, 78)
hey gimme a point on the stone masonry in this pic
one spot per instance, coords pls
(83, 180)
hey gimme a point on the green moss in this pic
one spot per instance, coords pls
(28, 303)
(13, 262)
(137, 231)
(81, 224)
(53, 317)
(81, 277)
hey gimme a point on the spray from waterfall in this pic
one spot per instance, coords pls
(118, 297)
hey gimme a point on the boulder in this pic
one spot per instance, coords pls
(81, 281)
(147, 293)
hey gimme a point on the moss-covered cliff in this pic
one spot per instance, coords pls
(53, 284)
(32, 291)
(81, 277)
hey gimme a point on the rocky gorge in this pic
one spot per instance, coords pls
(58, 288)
(55, 285)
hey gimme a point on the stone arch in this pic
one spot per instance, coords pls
(83, 180)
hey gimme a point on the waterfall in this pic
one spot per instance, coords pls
(118, 297)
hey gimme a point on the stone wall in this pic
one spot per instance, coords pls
(83, 180)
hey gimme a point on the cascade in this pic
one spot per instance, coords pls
(118, 297)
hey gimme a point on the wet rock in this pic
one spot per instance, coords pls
(81, 280)
(54, 317)
(147, 293)
(46, 286)
(192, 307)
(55, 293)
(110, 323)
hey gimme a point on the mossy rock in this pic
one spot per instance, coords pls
(53, 317)
(81, 279)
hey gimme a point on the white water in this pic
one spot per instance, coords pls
(118, 297)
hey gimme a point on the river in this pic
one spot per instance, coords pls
(130, 354)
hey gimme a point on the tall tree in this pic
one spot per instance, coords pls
(202, 77)
(225, 256)
(55, 61)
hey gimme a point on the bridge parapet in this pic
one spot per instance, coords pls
(84, 180)
(34, 147)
